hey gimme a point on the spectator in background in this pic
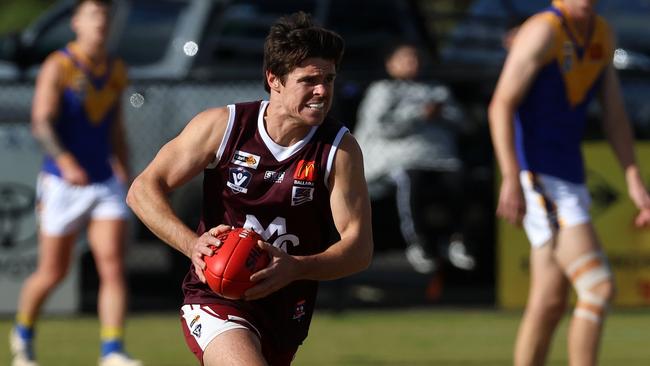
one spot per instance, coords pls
(408, 130)
(76, 117)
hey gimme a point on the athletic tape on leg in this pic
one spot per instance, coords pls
(585, 273)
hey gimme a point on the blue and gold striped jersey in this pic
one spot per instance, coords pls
(550, 121)
(88, 107)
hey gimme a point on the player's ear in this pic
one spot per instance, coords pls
(273, 81)
(74, 21)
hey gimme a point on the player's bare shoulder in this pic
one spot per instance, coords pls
(53, 68)
(538, 34)
(350, 148)
(348, 160)
(206, 130)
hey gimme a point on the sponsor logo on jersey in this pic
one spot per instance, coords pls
(297, 182)
(238, 180)
(197, 331)
(299, 311)
(596, 52)
(79, 85)
(246, 159)
(305, 171)
(196, 318)
(300, 195)
(273, 176)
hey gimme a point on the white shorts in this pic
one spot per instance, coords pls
(551, 204)
(202, 323)
(63, 208)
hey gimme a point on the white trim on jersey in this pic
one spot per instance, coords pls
(226, 137)
(330, 157)
(280, 153)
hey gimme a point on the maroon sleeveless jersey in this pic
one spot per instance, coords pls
(282, 194)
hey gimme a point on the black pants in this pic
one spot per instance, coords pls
(430, 207)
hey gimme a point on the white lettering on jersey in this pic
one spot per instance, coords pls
(277, 226)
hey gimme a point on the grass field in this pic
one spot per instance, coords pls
(356, 338)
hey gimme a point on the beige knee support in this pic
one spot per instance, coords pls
(586, 272)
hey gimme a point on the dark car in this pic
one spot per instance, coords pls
(475, 44)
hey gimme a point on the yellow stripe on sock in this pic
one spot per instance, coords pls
(108, 333)
(24, 320)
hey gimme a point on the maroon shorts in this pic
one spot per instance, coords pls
(202, 323)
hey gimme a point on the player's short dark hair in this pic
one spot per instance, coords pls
(294, 38)
(78, 3)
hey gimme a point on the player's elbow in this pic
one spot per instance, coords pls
(356, 252)
(502, 103)
(38, 130)
(493, 110)
(133, 196)
(365, 254)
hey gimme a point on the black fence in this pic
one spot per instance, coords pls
(156, 112)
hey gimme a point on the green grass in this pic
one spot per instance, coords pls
(355, 338)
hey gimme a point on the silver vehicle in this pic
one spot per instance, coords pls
(183, 56)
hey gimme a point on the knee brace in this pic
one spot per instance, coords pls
(585, 273)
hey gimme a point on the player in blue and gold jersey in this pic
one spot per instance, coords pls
(559, 61)
(77, 118)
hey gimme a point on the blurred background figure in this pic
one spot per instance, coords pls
(408, 131)
(559, 61)
(77, 119)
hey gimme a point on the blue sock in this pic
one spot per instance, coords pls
(110, 346)
(25, 333)
(27, 336)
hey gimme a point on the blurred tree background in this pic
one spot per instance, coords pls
(17, 14)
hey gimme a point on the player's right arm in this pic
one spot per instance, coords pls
(527, 55)
(176, 163)
(45, 109)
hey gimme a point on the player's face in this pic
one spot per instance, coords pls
(581, 9)
(307, 91)
(90, 22)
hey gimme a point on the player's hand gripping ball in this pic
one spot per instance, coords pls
(229, 269)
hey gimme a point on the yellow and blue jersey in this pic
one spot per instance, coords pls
(550, 121)
(87, 111)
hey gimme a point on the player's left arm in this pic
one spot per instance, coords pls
(618, 130)
(351, 212)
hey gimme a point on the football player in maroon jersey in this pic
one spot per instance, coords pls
(282, 168)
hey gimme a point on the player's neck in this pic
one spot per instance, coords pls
(92, 52)
(285, 131)
(581, 21)
(582, 26)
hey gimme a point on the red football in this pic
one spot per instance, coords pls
(229, 269)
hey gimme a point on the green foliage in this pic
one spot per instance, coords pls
(17, 14)
(355, 338)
